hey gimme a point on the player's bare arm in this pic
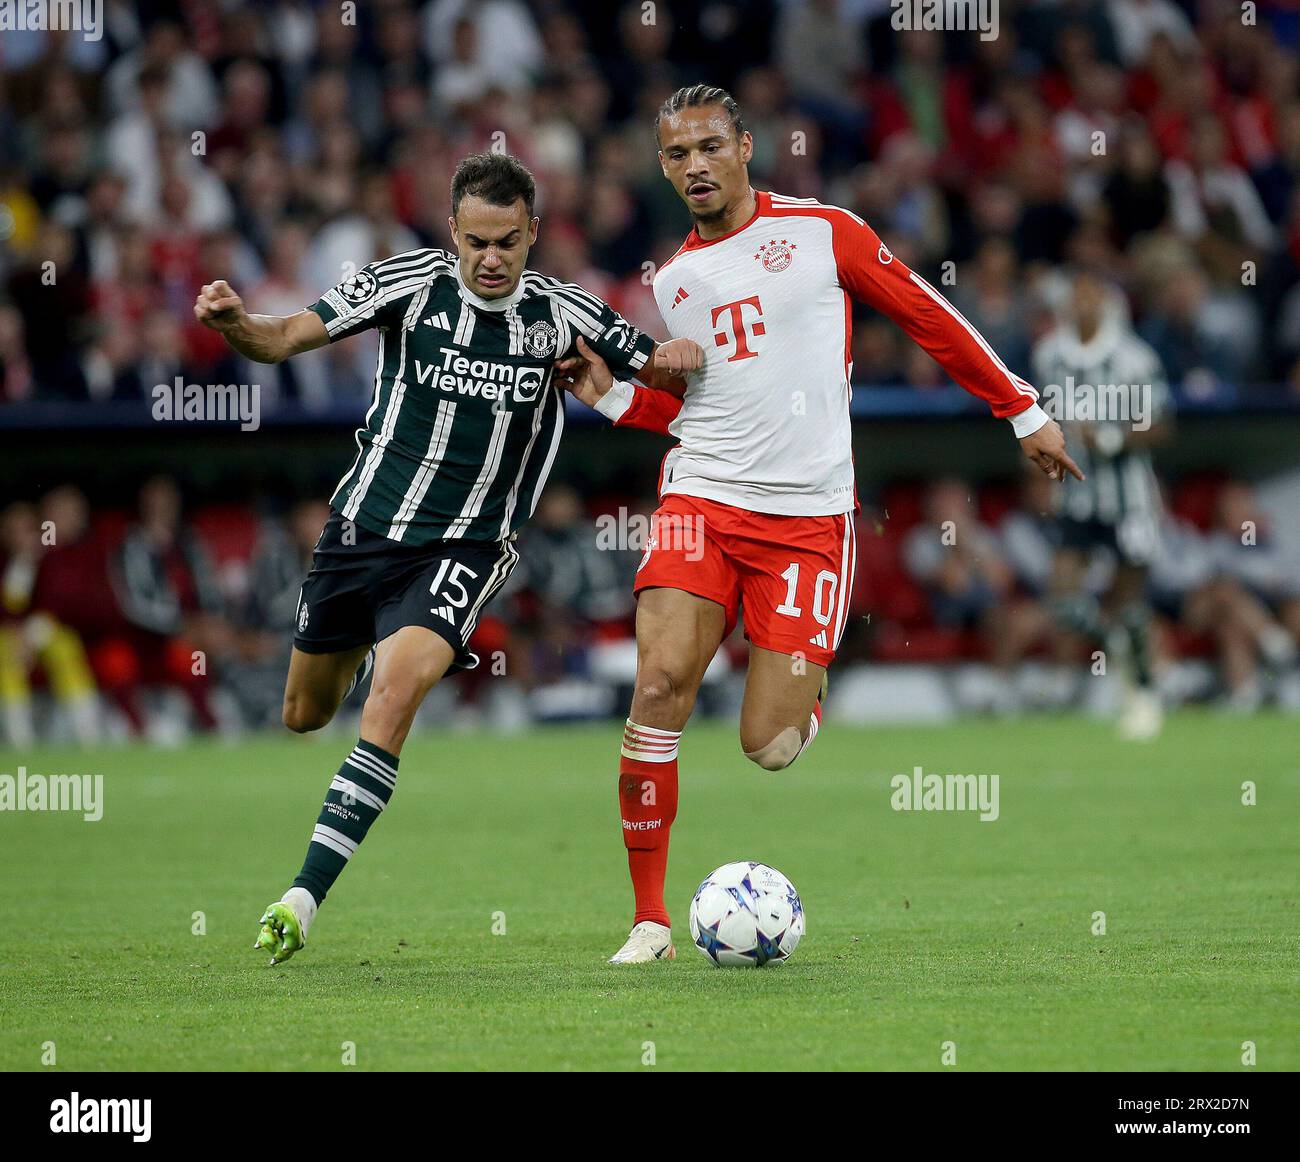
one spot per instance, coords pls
(588, 377)
(261, 338)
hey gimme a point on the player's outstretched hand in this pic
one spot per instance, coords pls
(679, 356)
(586, 374)
(1046, 448)
(217, 305)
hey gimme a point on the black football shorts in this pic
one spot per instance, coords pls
(363, 587)
(1134, 539)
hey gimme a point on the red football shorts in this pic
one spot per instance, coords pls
(792, 575)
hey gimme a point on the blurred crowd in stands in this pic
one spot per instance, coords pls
(163, 621)
(282, 144)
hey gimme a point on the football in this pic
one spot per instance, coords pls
(746, 914)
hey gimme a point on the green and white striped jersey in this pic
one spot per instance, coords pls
(1115, 383)
(465, 420)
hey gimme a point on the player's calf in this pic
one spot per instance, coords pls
(778, 752)
(408, 665)
(770, 742)
(786, 745)
(318, 683)
(303, 714)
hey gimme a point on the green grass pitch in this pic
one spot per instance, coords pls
(924, 928)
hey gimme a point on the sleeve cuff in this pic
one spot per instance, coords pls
(1027, 422)
(615, 402)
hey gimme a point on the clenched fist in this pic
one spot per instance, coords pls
(218, 306)
(679, 356)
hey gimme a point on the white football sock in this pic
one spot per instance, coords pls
(303, 905)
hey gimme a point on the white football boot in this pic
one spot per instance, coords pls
(647, 941)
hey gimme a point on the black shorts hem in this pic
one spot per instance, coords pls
(337, 646)
(465, 658)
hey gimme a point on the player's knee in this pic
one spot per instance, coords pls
(777, 753)
(658, 689)
(303, 715)
(400, 696)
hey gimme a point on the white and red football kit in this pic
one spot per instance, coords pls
(764, 454)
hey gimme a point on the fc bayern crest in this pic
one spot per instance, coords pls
(776, 256)
(540, 340)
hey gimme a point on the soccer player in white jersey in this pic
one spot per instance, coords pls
(757, 498)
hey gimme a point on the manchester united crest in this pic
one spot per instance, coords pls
(540, 340)
(776, 256)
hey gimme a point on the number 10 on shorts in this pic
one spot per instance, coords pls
(824, 587)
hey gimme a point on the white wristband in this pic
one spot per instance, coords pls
(615, 402)
(1027, 422)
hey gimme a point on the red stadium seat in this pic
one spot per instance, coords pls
(1195, 498)
(996, 501)
(228, 531)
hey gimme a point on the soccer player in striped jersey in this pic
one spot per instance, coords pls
(1109, 389)
(757, 498)
(456, 448)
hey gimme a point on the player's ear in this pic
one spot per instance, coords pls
(533, 225)
(746, 146)
(663, 164)
(455, 234)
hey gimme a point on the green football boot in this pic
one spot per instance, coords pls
(282, 933)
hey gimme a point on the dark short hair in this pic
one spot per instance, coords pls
(692, 96)
(497, 178)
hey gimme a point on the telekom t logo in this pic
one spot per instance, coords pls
(738, 333)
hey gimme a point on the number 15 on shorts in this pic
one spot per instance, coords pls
(456, 596)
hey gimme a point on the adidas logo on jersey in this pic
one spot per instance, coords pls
(439, 320)
(446, 613)
(680, 296)
(819, 640)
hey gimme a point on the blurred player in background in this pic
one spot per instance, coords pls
(30, 638)
(458, 446)
(1110, 388)
(758, 495)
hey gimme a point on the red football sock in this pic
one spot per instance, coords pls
(647, 797)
